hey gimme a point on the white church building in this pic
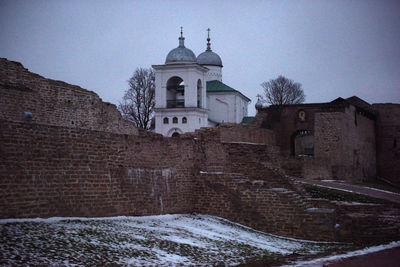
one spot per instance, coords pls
(190, 93)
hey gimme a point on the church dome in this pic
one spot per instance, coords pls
(181, 54)
(209, 57)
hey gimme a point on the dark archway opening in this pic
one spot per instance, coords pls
(175, 93)
(175, 134)
(302, 143)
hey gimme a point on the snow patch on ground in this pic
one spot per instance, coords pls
(149, 240)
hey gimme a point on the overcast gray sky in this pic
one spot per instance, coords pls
(333, 48)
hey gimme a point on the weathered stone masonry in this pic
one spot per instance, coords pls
(55, 102)
(49, 167)
(59, 171)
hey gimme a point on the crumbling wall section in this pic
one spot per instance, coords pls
(55, 102)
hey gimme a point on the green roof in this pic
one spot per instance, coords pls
(247, 120)
(217, 86)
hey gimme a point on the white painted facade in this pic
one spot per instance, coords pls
(182, 103)
(214, 73)
(189, 102)
(226, 107)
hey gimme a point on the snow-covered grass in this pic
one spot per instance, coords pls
(151, 240)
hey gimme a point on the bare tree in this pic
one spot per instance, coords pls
(138, 102)
(282, 91)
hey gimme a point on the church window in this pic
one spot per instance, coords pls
(165, 120)
(184, 120)
(175, 120)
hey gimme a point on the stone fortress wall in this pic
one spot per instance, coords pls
(53, 168)
(388, 142)
(55, 102)
(349, 142)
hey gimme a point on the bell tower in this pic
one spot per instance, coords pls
(180, 93)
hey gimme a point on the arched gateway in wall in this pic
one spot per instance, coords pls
(302, 143)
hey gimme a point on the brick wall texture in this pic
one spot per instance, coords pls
(388, 144)
(344, 140)
(52, 168)
(55, 102)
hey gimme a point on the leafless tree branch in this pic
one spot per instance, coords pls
(137, 105)
(282, 91)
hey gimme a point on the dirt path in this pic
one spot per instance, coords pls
(387, 258)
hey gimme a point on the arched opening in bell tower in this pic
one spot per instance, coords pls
(175, 92)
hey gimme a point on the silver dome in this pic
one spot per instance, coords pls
(209, 58)
(181, 54)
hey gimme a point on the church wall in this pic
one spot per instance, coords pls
(161, 90)
(241, 108)
(218, 111)
(51, 102)
(214, 73)
(195, 119)
(226, 107)
(190, 74)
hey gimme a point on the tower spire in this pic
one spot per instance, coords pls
(181, 39)
(208, 40)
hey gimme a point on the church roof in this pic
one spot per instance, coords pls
(181, 54)
(217, 86)
(208, 57)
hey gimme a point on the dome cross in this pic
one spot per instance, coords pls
(208, 40)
